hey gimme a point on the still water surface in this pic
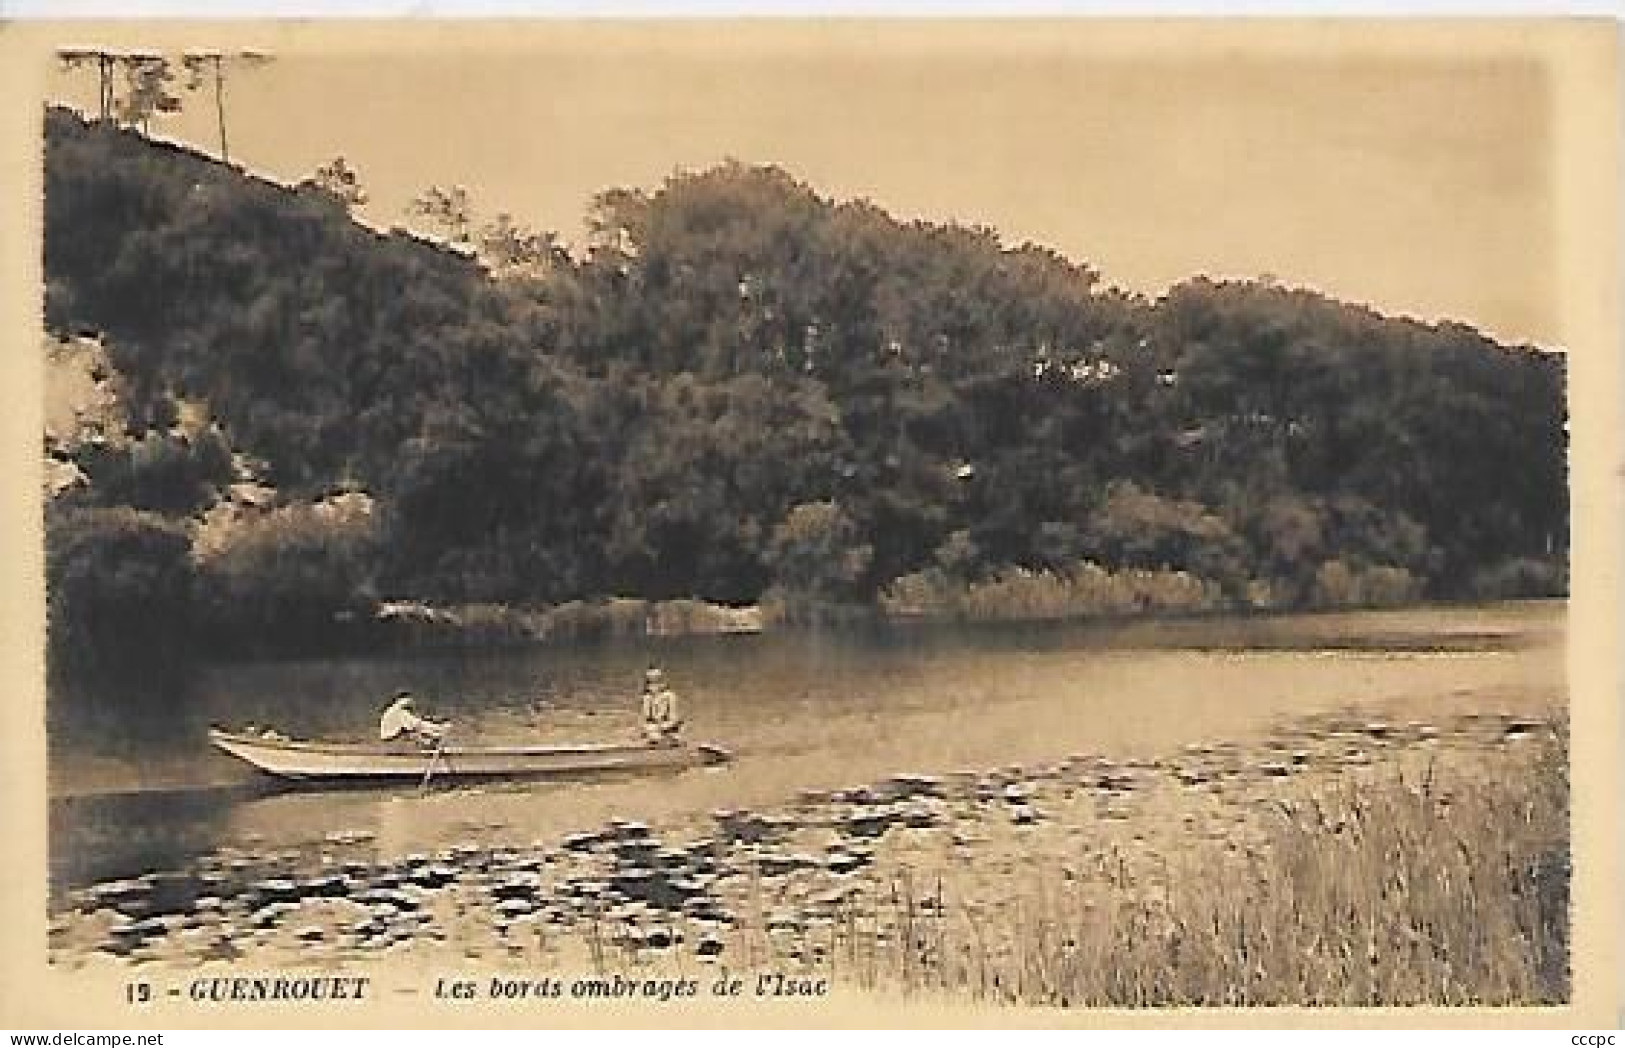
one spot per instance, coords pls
(135, 792)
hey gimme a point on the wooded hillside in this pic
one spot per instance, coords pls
(739, 386)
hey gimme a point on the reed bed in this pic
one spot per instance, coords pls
(1085, 589)
(1402, 888)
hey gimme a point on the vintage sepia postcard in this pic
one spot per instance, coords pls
(811, 524)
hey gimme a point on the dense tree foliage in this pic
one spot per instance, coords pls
(120, 589)
(737, 385)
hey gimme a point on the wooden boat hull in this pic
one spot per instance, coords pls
(298, 761)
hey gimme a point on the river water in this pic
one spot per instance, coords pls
(135, 788)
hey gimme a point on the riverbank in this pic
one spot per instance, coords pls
(1340, 859)
(412, 624)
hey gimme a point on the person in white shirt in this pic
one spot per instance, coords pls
(400, 720)
(661, 720)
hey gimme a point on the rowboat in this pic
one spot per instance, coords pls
(339, 762)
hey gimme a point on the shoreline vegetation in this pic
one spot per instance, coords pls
(130, 587)
(1344, 859)
(1410, 886)
(1426, 887)
(1142, 598)
(1088, 596)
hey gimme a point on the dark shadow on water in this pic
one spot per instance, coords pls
(108, 836)
(98, 837)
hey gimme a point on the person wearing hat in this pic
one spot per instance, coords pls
(661, 721)
(400, 719)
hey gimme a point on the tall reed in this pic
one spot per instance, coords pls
(1444, 888)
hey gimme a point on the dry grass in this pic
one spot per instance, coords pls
(1444, 887)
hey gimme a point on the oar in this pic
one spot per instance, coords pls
(439, 744)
